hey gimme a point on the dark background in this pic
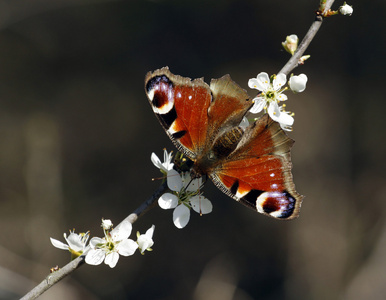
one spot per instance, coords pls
(77, 133)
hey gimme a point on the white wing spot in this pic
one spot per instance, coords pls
(150, 94)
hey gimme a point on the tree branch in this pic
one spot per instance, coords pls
(325, 5)
(56, 276)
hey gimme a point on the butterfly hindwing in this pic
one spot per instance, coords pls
(258, 172)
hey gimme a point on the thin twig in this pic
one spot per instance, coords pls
(53, 278)
(56, 276)
(325, 5)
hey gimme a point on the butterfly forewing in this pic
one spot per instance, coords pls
(181, 106)
(230, 104)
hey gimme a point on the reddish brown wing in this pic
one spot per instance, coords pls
(181, 106)
(191, 112)
(258, 172)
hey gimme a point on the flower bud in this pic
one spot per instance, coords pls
(291, 43)
(106, 224)
(346, 9)
(298, 83)
(303, 59)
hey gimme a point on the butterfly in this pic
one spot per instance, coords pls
(252, 165)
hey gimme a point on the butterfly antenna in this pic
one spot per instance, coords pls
(163, 177)
(158, 178)
(199, 197)
(205, 180)
(199, 191)
(191, 180)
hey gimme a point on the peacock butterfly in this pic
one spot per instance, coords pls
(251, 165)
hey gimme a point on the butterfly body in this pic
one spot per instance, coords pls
(252, 165)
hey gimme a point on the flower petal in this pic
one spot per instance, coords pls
(95, 256)
(293, 38)
(167, 201)
(155, 160)
(286, 121)
(244, 123)
(201, 204)
(59, 244)
(191, 185)
(281, 97)
(127, 247)
(167, 164)
(279, 81)
(263, 81)
(150, 231)
(112, 259)
(174, 180)
(122, 231)
(252, 83)
(166, 156)
(274, 111)
(75, 242)
(181, 216)
(95, 241)
(258, 106)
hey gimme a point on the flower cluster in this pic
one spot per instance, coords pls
(271, 94)
(115, 242)
(185, 193)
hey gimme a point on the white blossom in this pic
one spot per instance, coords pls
(145, 241)
(166, 168)
(185, 195)
(271, 93)
(115, 243)
(76, 243)
(270, 96)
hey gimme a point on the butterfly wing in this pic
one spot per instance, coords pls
(258, 172)
(192, 112)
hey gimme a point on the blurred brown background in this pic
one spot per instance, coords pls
(77, 132)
